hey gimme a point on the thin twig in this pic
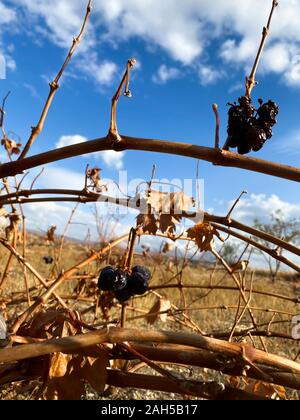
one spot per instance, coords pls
(54, 86)
(113, 130)
(250, 81)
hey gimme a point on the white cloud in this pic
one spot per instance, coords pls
(7, 15)
(182, 29)
(70, 140)
(8, 19)
(113, 159)
(209, 75)
(103, 73)
(262, 206)
(164, 74)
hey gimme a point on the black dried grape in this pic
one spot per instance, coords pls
(142, 270)
(123, 285)
(138, 284)
(249, 129)
(107, 279)
(120, 281)
(139, 279)
(48, 260)
(123, 295)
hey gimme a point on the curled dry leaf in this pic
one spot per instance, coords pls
(51, 233)
(203, 234)
(68, 373)
(274, 392)
(169, 203)
(63, 381)
(146, 223)
(164, 212)
(52, 323)
(14, 221)
(159, 311)
(11, 146)
(95, 178)
(94, 371)
(168, 223)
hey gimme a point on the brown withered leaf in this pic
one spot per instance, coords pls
(51, 233)
(159, 311)
(95, 178)
(168, 223)
(94, 371)
(52, 323)
(203, 234)
(267, 390)
(14, 221)
(169, 203)
(64, 382)
(11, 146)
(147, 223)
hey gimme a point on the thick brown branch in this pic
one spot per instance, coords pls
(193, 388)
(217, 157)
(119, 335)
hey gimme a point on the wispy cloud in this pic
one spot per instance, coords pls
(164, 74)
(262, 206)
(70, 140)
(192, 26)
(208, 75)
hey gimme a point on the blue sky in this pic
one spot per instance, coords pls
(191, 54)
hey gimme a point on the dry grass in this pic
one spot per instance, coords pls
(211, 310)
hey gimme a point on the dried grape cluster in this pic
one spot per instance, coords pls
(250, 128)
(124, 285)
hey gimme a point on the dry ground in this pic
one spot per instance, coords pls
(212, 310)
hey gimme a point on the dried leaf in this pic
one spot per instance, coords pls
(203, 234)
(267, 390)
(167, 223)
(51, 233)
(147, 223)
(11, 146)
(169, 203)
(55, 323)
(95, 178)
(14, 221)
(63, 381)
(155, 313)
(94, 372)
